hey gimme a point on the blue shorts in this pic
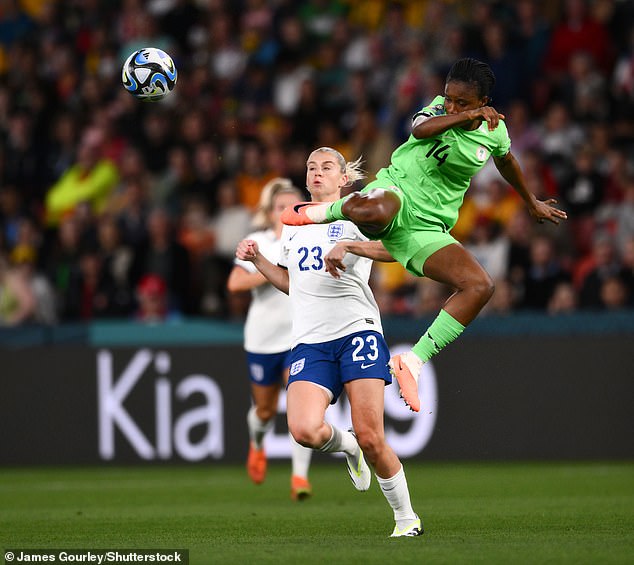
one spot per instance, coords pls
(267, 368)
(362, 355)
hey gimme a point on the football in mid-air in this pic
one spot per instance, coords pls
(149, 74)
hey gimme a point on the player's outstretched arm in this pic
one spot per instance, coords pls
(248, 250)
(425, 127)
(371, 249)
(540, 210)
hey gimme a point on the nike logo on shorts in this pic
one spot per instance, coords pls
(364, 366)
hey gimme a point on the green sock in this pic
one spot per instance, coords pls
(443, 330)
(334, 211)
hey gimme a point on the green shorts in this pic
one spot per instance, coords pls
(411, 239)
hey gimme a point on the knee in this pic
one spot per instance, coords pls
(266, 413)
(304, 435)
(482, 286)
(371, 443)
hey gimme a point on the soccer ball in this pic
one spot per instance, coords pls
(149, 74)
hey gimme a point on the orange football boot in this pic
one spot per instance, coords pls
(256, 464)
(407, 382)
(300, 488)
(295, 215)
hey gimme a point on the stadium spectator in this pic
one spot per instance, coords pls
(24, 162)
(252, 175)
(488, 244)
(91, 179)
(60, 258)
(161, 254)
(613, 293)
(544, 273)
(17, 301)
(519, 233)
(208, 173)
(90, 293)
(153, 301)
(118, 258)
(24, 264)
(11, 214)
(155, 140)
(617, 218)
(582, 191)
(230, 222)
(131, 208)
(531, 34)
(564, 299)
(175, 184)
(505, 62)
(577, 31)
(584, 89)
(560, 136)
(603, 264)
(627, 274)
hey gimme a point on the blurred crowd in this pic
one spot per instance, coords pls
(110, 207)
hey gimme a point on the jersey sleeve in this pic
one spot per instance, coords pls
(504, 141)
(436, 108)
(284, 248)
(248, 266)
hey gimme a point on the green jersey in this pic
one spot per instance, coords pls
(435, 173)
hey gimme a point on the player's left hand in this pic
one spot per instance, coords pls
(545, 210)
(334, 260)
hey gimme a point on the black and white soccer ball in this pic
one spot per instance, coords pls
(149, 74)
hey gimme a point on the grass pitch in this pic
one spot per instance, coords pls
(473, 513)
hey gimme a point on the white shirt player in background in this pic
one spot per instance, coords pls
(267, 337)
(338, 342)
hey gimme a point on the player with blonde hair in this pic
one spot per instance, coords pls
(267, 337)
(338, 340)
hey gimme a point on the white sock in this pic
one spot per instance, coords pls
(301, 458)
(257, 427)
(317, 213)
(397, 494)
(341, 441)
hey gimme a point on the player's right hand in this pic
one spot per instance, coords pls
(247, 250)
(334, 259)
(488, 114)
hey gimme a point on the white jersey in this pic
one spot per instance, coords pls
(325, 308)
(268, 325)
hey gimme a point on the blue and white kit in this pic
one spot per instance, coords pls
(337, 334)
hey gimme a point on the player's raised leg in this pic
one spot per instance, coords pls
(372, 210)
(456, 267)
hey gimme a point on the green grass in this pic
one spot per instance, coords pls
(473, 513)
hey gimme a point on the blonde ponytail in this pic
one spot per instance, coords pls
(352, 169)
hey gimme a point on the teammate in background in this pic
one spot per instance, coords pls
(267, 337)
(338, 342)
(413, 204)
